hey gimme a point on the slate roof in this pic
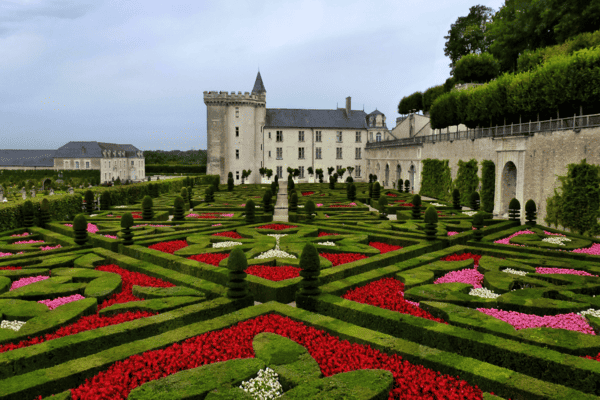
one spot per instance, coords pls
(27, 158)
(92, 149)
(259, 87)
(301, 118)
(376, 112)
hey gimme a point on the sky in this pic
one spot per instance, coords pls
(134, 72)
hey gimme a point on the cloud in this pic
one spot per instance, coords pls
(20, 50)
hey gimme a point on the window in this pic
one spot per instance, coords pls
(237, 154)
(357, 170)
(371, 137)
(87, 164)
(280, 153)
(318, 153)
(357, 153)
(301, 172)
(269, 153)
(301, 136)
(269, 135)
(339, 136)
(280, 172)
(280, 136)
(261, 146)
(237, 175)
(76, 164)
(105, 176)
(318, 138)
(109, 164)
(300, 153)
(237, 131)
(337, 168)
(358, 137)
(338, 153)
(378, 137)
(237, 112)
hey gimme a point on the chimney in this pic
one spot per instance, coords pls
(348, 106)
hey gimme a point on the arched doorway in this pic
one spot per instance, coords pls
(387, 175)
(411, 175)
(46, 184)
(509, 185)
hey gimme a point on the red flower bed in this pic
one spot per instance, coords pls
(383, 247)
(90, 322)
(209, 258)
(169, 247)
(277, 227)
(327, 234)
(406, 205)
(460, 257)
(229, 234)
(411, 382)
(391, 194)
(10, 268)
(134, 214)
(274, 273)
(307, 193)
(400, 201)
(342, 258)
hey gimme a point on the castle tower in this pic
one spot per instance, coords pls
(234, 132)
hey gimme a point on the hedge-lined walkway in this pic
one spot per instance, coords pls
(281, 206)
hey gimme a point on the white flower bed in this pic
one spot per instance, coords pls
(274, 253)
(265, 386)
(556, 240)
(483, 292)
(14, 325)
(225, 244)
(121, 206)
(94, 215)
(437, 205)
(326, 243)
(590, 311)
(512, 271)
(470, 213)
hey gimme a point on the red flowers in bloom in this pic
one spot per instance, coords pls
(406, 205)
(134, 214)
(169, 247)
(400, 201)
(384, 247)
(411, 382)
(274, 273)
(11, 268)
(209, 258)
(342, 258)
(307, 193)
(460, 257)
(277, 227)
(391, 194)
(344, 205)
(229, 234)
(327, 234)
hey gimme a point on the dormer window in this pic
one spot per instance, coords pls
(82, 150)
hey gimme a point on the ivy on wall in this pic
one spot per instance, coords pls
(436, 180)
(488, 185)
(466, 180)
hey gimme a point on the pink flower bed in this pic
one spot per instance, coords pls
(506, 240)
(571, 321)
(217, 225)
(21, 235)
(594, 250)
(27, 281)
(110, 236)
(44, 248)
(28, 241)
(155, 226)
(9, 254)
(52, 304)
(452, 233)
(91, 228)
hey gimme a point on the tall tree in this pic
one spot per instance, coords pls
(468, 34)
(570, 18)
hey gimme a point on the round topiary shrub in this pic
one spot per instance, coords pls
(216, 181)
(514, 210)
(45, 215)
(416, 208)
(237, 287)
(478, 225)
(147, 212)
(431, 220)
(530, 212)
(349, 179)
(406, 186)
(208, 194)
(376, 191)
(310, 270)
(28, 214)
(309, 208)
(266, 200)
(230, 182)
(126, 224)
(178, 204)
(400, 185)
(89, 201)
(80, 229)
(474, 201)
(250, 210)
(456, 199)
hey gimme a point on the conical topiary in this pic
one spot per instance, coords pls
(45, 215)
(184, 195)
(126, 224)
(249, 211)
(376, 191)
(28, 214)
(456, 200)
(474, 201)
(294, 202)
(514, 210)
(332, 181)
(351, 192)
(382, 203)
(416, 208)
(155, 190)
(478, 225)
(431, 220)
(400, 185)
(80, 229)
(147, 212)
(371, 190)
(310, 269)
(105, 201)
(406, 186)
(291, 184)
(216, 181)
(89, 202)
(230, 182)
(274, 188)
(237, 287)
(190, 195)
(178, 204)
(309, 208)
(208, 194)
(266, 200)
(530, 212)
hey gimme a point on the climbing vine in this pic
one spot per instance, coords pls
(436, 179)
(488, 185)
(466, 180)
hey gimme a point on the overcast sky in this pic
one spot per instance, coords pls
(134, 71)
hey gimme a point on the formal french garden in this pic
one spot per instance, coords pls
(189, 289)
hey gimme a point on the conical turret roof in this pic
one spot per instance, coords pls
(258, 85)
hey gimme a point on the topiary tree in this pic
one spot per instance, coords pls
(400, 185)
(406, 186)
(126, 224)
(147, 213)
(250, 209)
(118, 181)
(230, 182)
(477, 68)
(274, 187)
(376, 191)
(478, 225)
(105, 200)
(291, 185)
(178, 204)
(190, 194)
(351, 191)
(416, 208)
(310, 270)
(156, 188)
(184, 195)
(349, 179)
(80, 229)
(28, 214)
(474, 201)
(431, 222)
(89, 202)
(209, 197)
(332, 181)
(514, 210)
(309, 208)
(266, 200)
(237, 287)
(215, 183)
(45, 216)
(530, 212)
(294, 202)
(383, 202)
(456, 200)
(371, 190)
